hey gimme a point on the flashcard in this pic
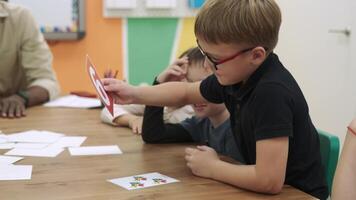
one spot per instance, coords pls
(15, 172)
(143, 181)
(7, 160)
(95, 150)
(105, 97)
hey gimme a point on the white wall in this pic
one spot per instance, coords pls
(324, 64)
(353, 50)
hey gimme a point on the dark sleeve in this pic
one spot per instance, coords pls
(154, 130)
(211, 90)
(272, 111)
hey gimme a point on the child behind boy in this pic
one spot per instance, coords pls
(268, 112)
(210, 125)
(132, 115)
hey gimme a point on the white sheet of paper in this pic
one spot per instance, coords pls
(34, 136)
(31, 145)
(143, 181)
(15, 172)
(45, 152)
(69, 141)
(73, 101)
(94, 150)
(6, 160)
(3, 139)
(9, 145)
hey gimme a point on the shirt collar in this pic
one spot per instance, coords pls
(240, 90)
(3, 11)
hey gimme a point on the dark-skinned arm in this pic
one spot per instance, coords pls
(15, 105)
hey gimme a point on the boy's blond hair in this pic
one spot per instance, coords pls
(252, 22)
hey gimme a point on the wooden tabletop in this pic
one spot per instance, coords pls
(85, 177)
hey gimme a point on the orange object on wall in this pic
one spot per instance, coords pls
(103, 43)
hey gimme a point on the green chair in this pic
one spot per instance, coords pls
(329, 149)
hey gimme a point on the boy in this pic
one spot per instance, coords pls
(268, 112)
(210, 125)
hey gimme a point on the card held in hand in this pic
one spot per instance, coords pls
(105, 97)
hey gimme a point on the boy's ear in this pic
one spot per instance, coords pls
(258, 55)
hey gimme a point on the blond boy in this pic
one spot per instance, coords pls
(268, 112)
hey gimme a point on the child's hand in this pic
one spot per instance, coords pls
(110, 74)
(174, 72)
(201, 160)
(122, 92)
(135, 124)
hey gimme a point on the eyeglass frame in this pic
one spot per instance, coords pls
(215, 64)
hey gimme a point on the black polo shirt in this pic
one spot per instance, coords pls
(270, 104)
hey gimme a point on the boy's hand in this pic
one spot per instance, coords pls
(201, 160)
(122, 92)
(174, 72)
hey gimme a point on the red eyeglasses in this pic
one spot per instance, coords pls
(216, 63)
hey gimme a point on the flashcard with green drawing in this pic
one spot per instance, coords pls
(143, 181)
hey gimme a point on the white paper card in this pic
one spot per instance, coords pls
(9, 145)
(15, 172)
(94, 150)
(3, 138)
(73, 101)
(31, 145)
(143, 181)
(35, 136)
(45, 152)
(6, 160)
(69, 141)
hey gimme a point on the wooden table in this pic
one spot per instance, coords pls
(84, 177)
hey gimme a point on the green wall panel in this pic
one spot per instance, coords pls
(150, 43)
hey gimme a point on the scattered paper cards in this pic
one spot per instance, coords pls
(15, 172)
(34, 136)
(73, 101)
(9, 172)
(42, 144)
(44, 152)
(3, 138)
(143, 181)
(95, 150)
(6, 160)
(38, 143)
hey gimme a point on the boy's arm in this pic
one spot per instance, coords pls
(166, 94)
(267, 176)
(154, 130)
(171, 94)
